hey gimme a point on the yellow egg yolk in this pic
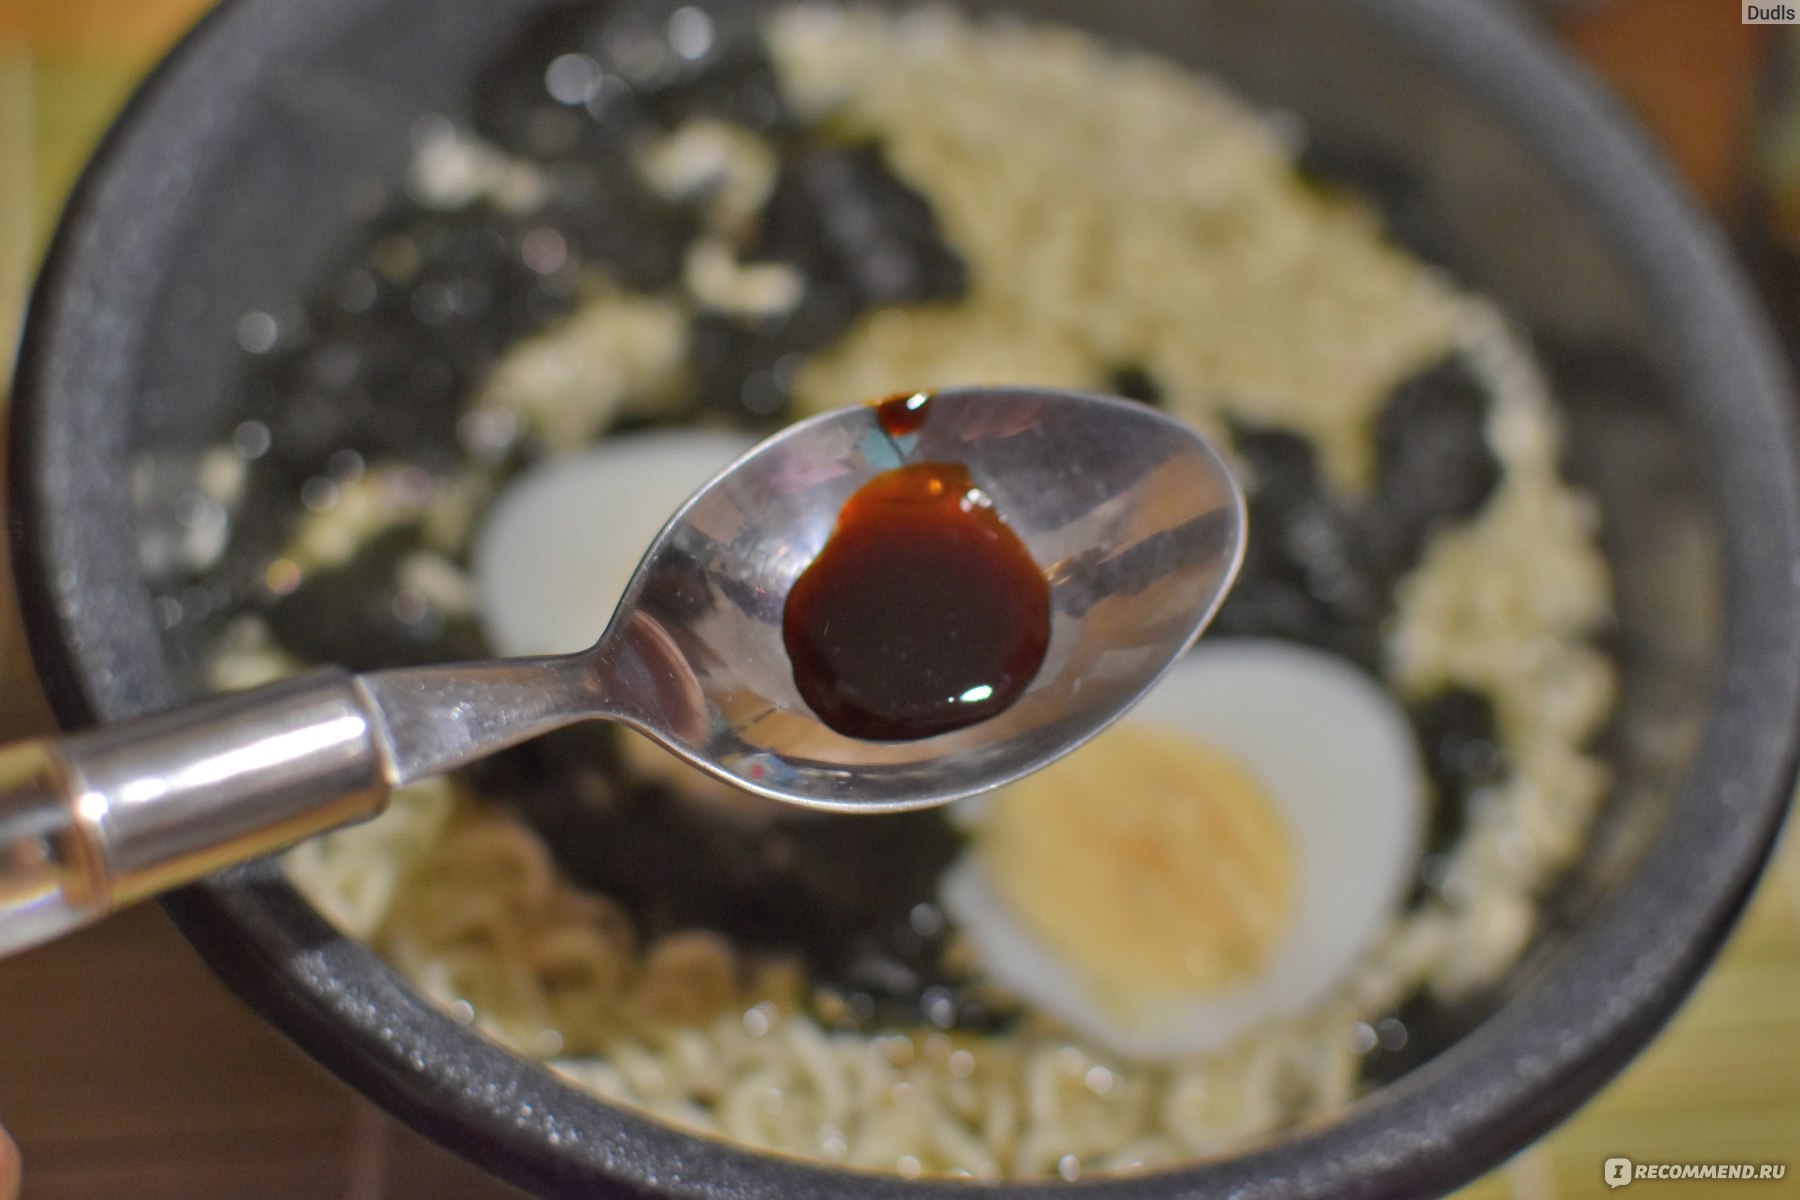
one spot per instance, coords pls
(1147, 862)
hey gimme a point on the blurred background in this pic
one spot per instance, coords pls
(127, 1072)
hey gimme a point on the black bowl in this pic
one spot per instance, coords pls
(223, 189)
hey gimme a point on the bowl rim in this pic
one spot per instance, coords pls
(1465, 1110)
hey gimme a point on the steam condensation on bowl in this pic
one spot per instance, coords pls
(676, 221)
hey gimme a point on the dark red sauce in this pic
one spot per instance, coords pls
(902, 414)
(923, 614)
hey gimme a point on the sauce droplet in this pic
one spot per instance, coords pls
(902, 414)
(923, 614)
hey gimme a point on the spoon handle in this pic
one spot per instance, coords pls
(97, 820)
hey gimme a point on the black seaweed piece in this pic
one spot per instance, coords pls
(415, 315)
(1461, 744)
(839, 891)
(612, 221)
(1305, 576)
(644, 78)
(746, 366)
(440, 296)
(860, 237)
(393, 346)
(564, 783)
(843, 217)
(347, 615)
(1135, 382)
(641, 85)
(1261, 607)
(510, 104)
(1321, 571)
(894, 978)
(1433, 462)
(733, 79)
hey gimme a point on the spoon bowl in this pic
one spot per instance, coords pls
(1134, 517)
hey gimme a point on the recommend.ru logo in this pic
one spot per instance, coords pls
(1617, 1172)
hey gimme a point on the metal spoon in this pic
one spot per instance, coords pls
(1134, 517)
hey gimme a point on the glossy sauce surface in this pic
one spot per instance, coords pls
(923, 614)
(903, 414)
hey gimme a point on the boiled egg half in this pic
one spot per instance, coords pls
(1220, 858)
(561, 544)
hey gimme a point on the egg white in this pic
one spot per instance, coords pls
(559, 546)
(1336, 755)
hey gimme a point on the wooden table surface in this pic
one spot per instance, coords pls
(128, 1073)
